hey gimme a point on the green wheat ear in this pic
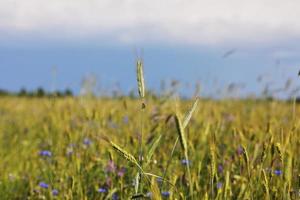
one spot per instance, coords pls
(180, 131)
(279, 151)
(125, 155)
(188, 116)
(140, 77)
(264, 153)
(182, 139)
(246, 159)
(212, 161)
(266, 184)
(288, 169)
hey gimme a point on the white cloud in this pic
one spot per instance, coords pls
(211, 22)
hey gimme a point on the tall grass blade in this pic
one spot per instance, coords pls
(152, 149)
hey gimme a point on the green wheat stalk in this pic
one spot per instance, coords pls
(184, 146)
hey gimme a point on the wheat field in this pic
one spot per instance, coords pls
(85, 148)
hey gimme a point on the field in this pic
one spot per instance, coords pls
(85, 148)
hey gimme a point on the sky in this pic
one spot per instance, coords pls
(216, 43)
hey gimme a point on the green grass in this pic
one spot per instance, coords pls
(237, 149)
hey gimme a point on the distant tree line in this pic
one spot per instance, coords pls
(39, 92)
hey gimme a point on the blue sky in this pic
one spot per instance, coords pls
(181, 40)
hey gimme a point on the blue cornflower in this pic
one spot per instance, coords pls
(159, 180)
(185, 162)
(115, 196)
(87, 141)
(126, 119)
(219, 185)
(54, 192)
(165, 194)
(220, 168)
(43, 185)
(277, 172)
(45, 153)
(102, 190)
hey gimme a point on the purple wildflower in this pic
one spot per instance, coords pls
(102, 190)
(159, 180)
(43, 185)
(165, 194)
(240, 150)
(121, 172)
(87, 142)
(111, 167)
(185, 162)
(54, 192)
(126, 119)
(220, 168)
(115, 196)
(45, 153)
(219, 185)
(277, 172)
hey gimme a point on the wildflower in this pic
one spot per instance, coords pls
(102, 190)
(240, 150)
(220, 168)
(45, 153)
(185, 162)
(43, 185)
(219, 185)
(111, 167)
(115, 196)
(165, 194)
(126, 119)
(54, 192)
(87, 142)
(277, 172)
(121, 172)
(159, 180)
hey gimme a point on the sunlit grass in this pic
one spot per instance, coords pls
(54, 148)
